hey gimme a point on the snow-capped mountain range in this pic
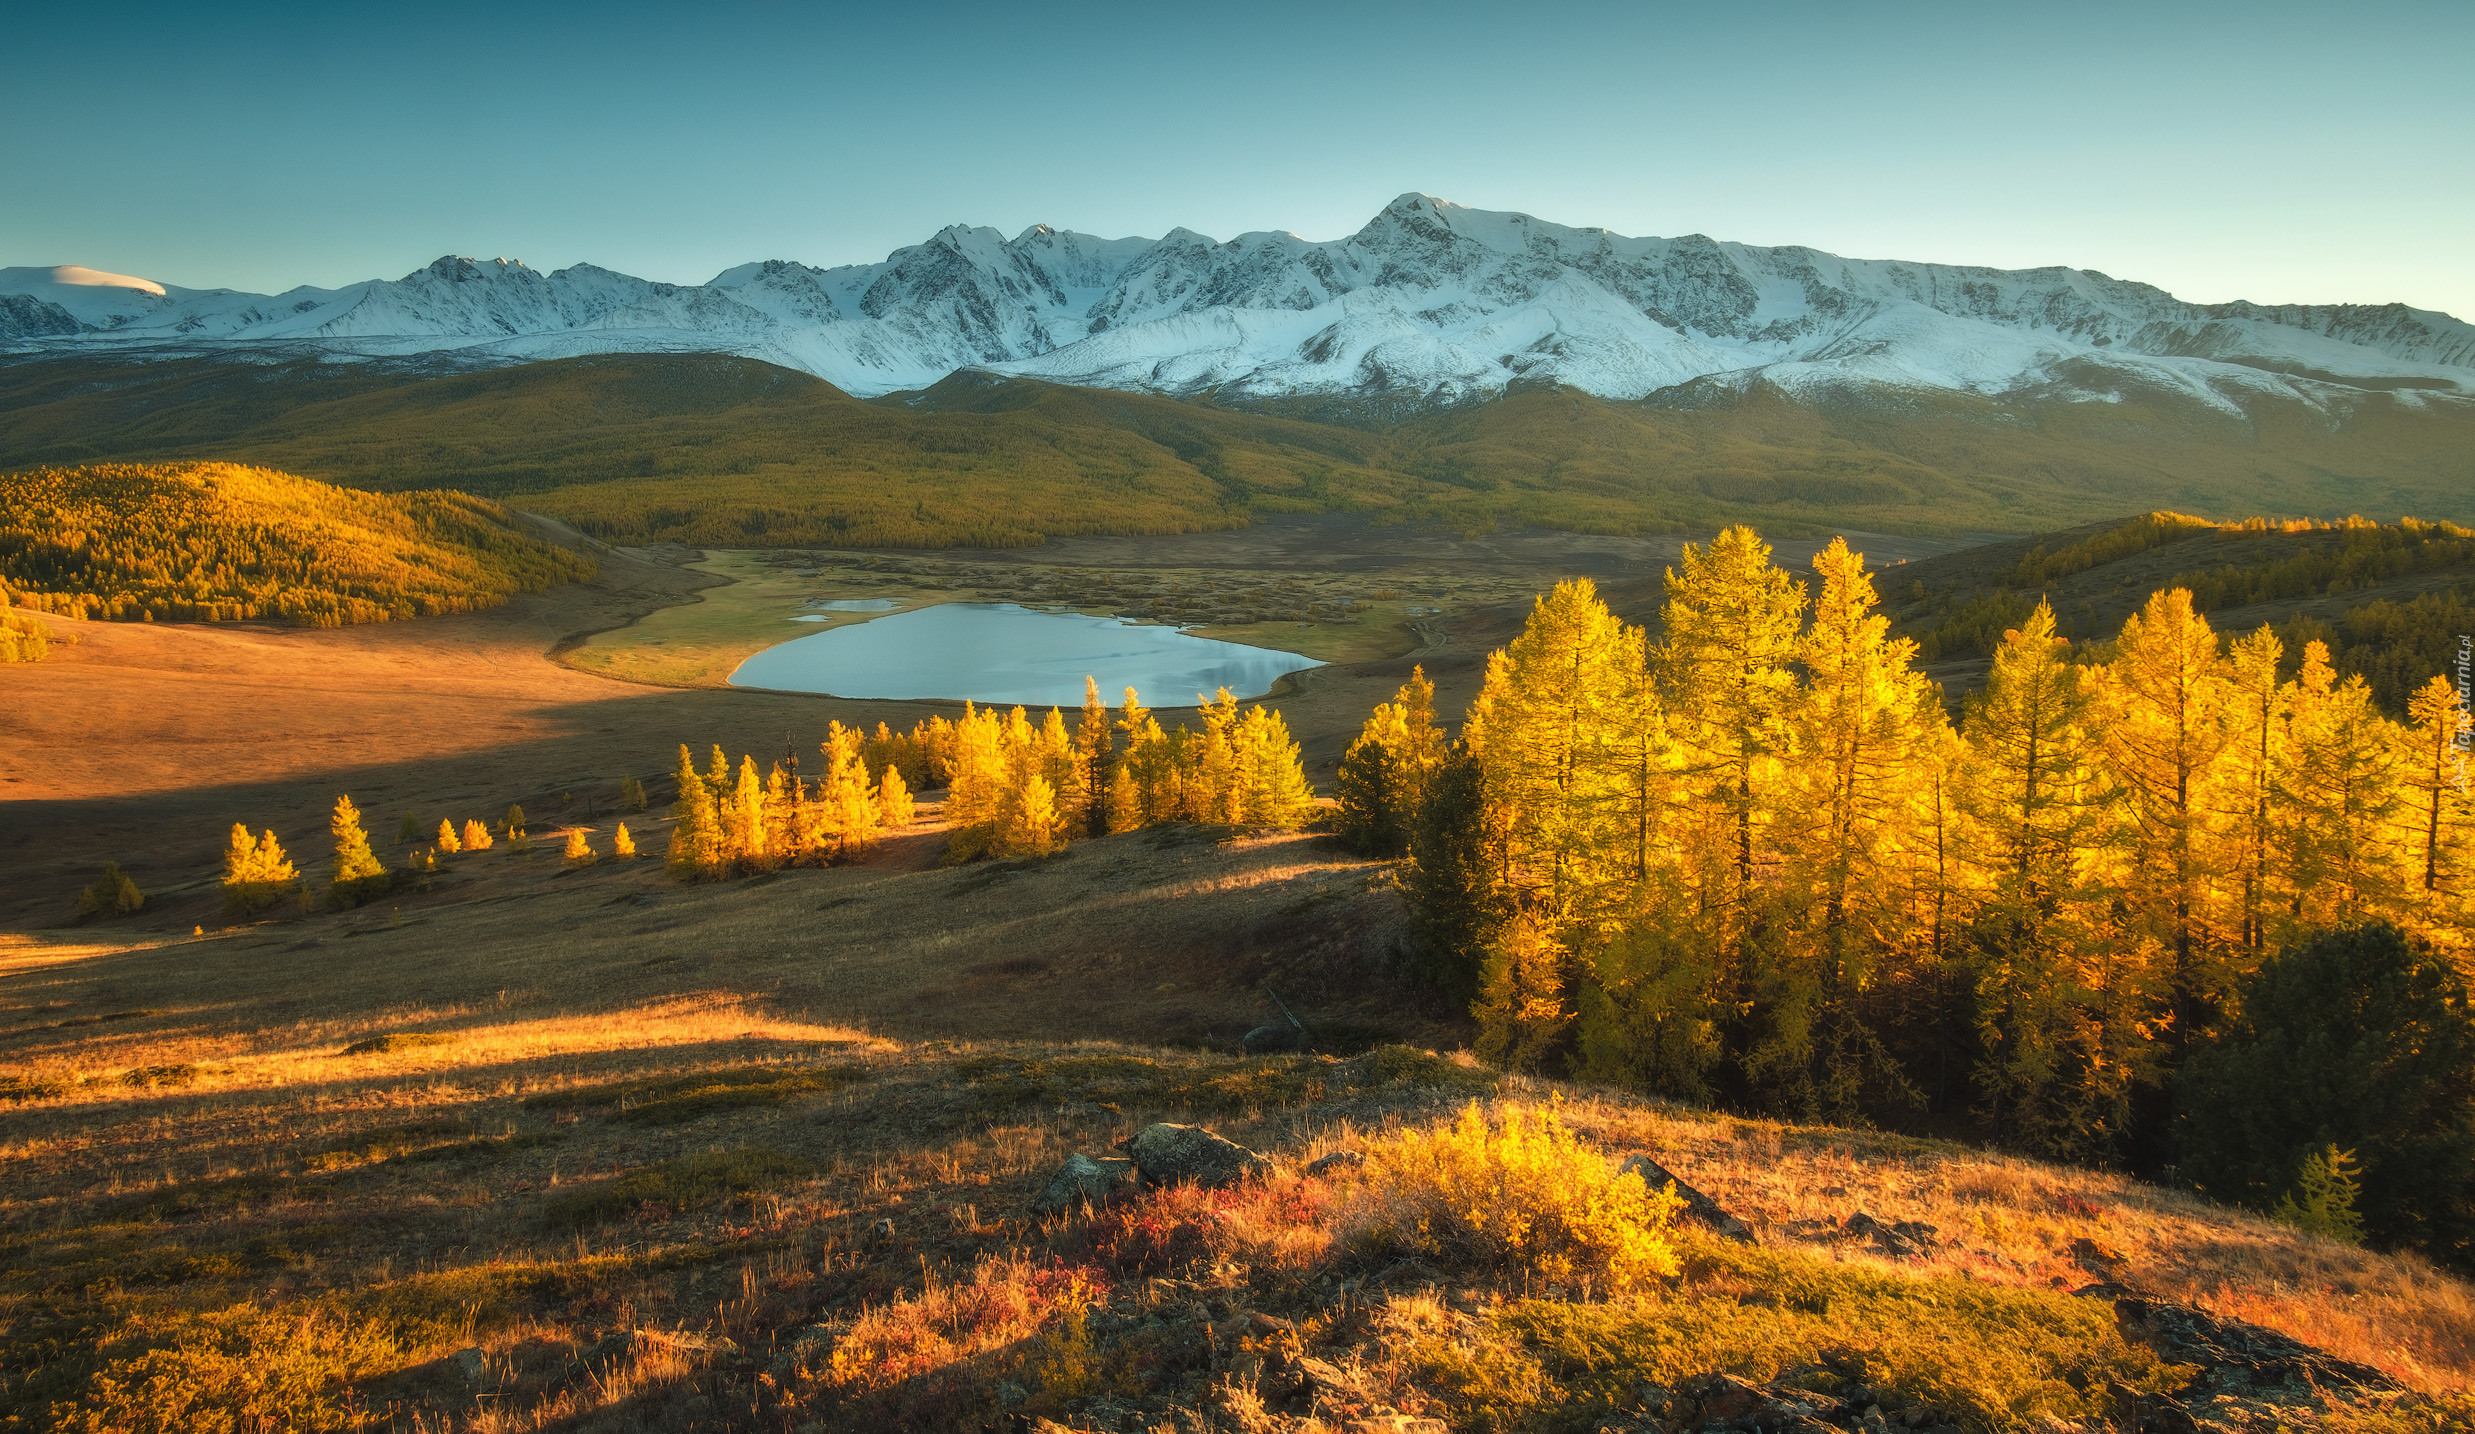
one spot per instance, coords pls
(1429, 300)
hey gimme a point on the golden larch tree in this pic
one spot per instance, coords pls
(1549, 734)
(2340, 791)
(2164, 726)
(2439, 823)
(2248, 768)
(1731, 624)
(357, 869)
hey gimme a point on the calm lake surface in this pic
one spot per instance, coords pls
(1003, 653)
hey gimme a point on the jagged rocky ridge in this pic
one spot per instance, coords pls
(1428, 301)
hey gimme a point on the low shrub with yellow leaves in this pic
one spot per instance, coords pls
(1520, 1194)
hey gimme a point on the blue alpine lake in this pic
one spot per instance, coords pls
(1004, 653)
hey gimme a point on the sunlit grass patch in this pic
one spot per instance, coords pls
(243, 1368)
(1279, 1224)
(671, 1100)
(1986, 1357)
(387, 1141)
(1002, 1084)
(677, 1185)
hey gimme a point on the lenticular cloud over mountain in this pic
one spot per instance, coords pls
(1429, 301)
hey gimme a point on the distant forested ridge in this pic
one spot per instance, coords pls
(2389, 600)
(219, 542)
(711, 450)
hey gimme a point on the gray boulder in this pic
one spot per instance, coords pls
(1081, 1181)
(1167, 1154)
(1697, 1206)
(1272, 1040)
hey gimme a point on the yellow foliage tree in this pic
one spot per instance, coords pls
(895, 809)
(358, 872)
(2163, 723)
(1549, 732)
(2339, 791)
(256, 875)
(2438, 775)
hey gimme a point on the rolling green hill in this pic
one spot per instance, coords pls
(723, 451)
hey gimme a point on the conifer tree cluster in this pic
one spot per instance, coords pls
(256, 874)
(742, 821)
(113, 894)
(1015, 787)
(220, 542)
(23, 637)
(1754, 860)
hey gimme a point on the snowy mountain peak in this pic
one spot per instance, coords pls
(459, 269)
(1429, 299)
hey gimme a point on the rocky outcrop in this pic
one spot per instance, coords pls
(1697, 1206)
(2231, 1354)
(2246, 1380)
(1711, 1403)
(1166, 1154)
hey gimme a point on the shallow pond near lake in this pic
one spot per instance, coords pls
(1004, 653)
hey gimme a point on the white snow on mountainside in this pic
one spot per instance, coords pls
(1429, 300)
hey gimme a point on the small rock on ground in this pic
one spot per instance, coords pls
(1081, 1181)
(1336, 1162)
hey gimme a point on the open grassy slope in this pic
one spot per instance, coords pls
(593, 1151)
(731, 452)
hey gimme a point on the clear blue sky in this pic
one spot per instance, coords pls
(2264, 150)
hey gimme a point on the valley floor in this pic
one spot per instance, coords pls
(533, 1146)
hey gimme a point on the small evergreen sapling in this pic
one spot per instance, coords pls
(2327, 1187)
(632, 794)
(358, 872)
(895, 809)
(113, 894)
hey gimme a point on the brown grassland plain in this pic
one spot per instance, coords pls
(580, 1148)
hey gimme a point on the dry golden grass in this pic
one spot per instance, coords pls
(2004, 1220)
